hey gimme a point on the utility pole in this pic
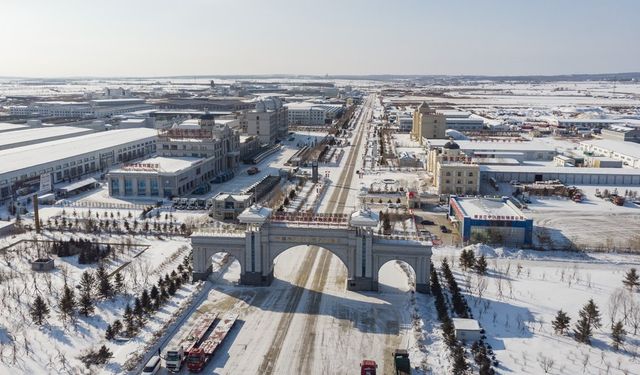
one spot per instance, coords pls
(36, 213)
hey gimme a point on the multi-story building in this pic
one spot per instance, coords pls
(428, 124)
(188, 156)
(312, 114)
(268, 121)
(453, 172)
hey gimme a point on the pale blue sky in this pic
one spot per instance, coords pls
(189, 37)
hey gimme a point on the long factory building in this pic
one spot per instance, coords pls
(69, 159)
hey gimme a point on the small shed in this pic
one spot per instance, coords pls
(42, 264)
(467, 330)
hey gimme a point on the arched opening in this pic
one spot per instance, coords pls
(309, 266)
(396, 276)
(225, 269)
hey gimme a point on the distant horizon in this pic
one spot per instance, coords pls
(322, 76)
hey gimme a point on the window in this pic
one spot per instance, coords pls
(115, 186)
(128, 186)
(470, 174)
(448, 174)
(153, 185)
(459, 174)
(142, 187)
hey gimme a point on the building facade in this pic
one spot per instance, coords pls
(453, 172)
(428, 124)
(268, 121)
(227, 206)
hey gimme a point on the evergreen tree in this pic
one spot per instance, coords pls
(164, 295)
(171, 288)
(105, 289)
(117, 327)
(617, 335)
(67, 303)
(129, 321)
(631, 279)
(460, 365)
(561, 322)
(145, 301)
(589, 319)
(593, 314)
(108, 333)
(155, 293)
(467, 259)
(118, 282)
(39, 310)
(86, 302)
(104, 354)
(481, 265)
(138, 311)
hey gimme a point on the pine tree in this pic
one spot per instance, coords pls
(145, 301)
(171, 287)
(467, 259)
(481, 265)
(138, 311)
(105, 289)
(129, 321)
(460, 365)
(631, 279)
(593, 314)
(67, 303)
(86, 302)
(119, 282)
(117, 327)
(589, 319)
(155, 293)
(617, 335)
(108, 333)
(39, 310)
(104, 354)
(561, 323)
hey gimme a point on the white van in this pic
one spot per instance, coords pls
(152, 367)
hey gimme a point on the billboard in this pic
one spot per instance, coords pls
(46, 183)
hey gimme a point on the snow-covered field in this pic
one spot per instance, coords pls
(55, 346)
(524, 291)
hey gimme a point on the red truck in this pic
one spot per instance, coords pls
(199, 356)
(368, 367)
(175, 355)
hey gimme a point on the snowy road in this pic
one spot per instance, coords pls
(306, 321)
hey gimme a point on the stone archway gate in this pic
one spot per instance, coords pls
(361, 251)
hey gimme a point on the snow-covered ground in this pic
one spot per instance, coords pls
(524, 291)
(54, 347)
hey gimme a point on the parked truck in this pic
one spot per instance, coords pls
(368, 367)
(199, 356)
(176, 355)
(401, 361)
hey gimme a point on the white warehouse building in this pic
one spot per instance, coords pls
(311, 114)
(70, 158)
(626, 152)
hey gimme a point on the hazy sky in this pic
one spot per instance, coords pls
(188, 37)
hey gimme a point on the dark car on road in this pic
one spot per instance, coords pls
(444, 229)
(427, 222)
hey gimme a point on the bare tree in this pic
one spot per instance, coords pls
(481, 285)
(615, 300)
(546, 363)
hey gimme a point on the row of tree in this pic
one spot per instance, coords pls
(92, 286)
(149, 301)
(468, 261)
(458, 360)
